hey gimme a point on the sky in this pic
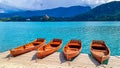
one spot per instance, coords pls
(48, 4)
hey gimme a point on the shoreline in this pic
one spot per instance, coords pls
(55, 60)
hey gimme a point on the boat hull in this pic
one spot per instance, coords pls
(26, 48)
(72, 49)
(48, 49)
(100, 51)
(42, 54)
(71, 56)
(100, 59)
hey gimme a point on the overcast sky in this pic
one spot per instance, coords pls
(48, 4)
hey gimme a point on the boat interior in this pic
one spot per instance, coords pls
(75, 41)
(54, 45)
(99, 48)
(19, 48)
(74, 48)
(55, 42)
(35, 44)
(40, 40)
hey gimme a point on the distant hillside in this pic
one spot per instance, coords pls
(105, 12)
(56, 12)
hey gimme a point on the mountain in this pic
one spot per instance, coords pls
(105, 12)
(56, 12)
(8, 9)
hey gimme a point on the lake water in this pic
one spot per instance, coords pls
(14, 34)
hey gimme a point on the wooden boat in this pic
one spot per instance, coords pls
(27, 47)
(72, 49)
(99, 50)
(50, 48)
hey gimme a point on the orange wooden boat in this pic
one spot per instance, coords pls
(72, 49)
(99, 50)
(27, 47)
(50, 48)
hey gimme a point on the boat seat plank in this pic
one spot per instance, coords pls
(29, 46)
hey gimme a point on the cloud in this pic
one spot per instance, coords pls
(23, 4)
(48, 4)
(2, 11)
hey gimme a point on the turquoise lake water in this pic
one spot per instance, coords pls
(14, 34)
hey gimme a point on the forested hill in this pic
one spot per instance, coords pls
(105, 12)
